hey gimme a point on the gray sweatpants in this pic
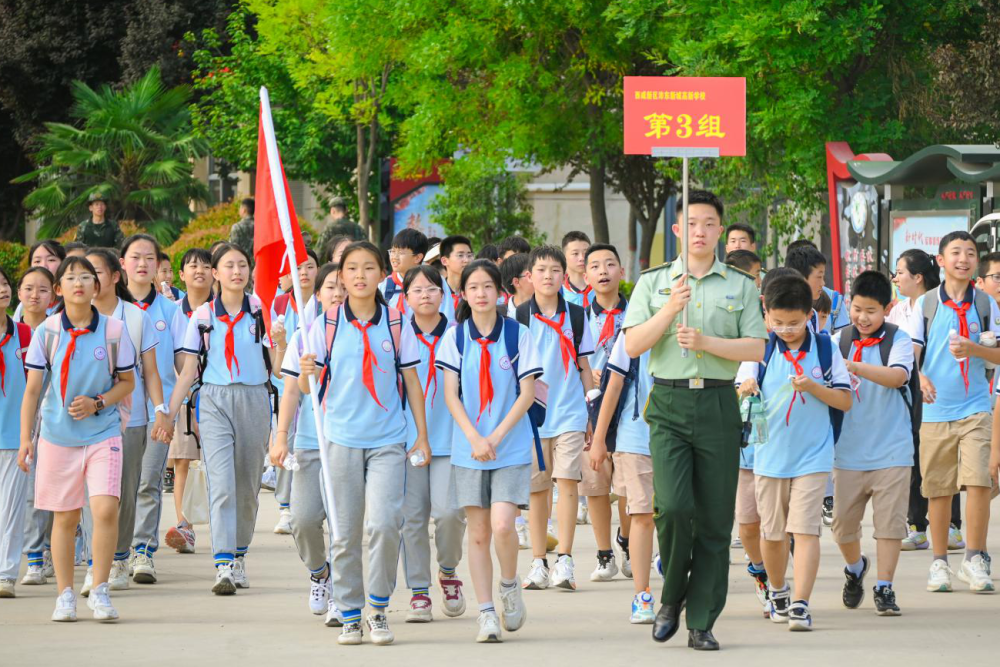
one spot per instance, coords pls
(134, 441)
(235, 423)
(149, 501)
(372, 479)
(13, 488)
(427, 498)
(309, 511)
(283, 485)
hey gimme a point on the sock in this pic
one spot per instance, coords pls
(605, 554)
(622, 542)
(757, 567)
(508, 583)
(882, 583)
(856, 568)
(972, 553)
(520, 521)
(944, 558)
(487, 606)
(770, 586)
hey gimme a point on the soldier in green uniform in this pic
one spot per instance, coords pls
(339, 225)
(99, 232)
(693, 414)
(241, 235)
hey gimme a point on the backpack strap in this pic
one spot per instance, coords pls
(577, 320)
(984, 305)
(846, 339)
(52, 331)
(768, 352)
(330, 320)
(511, 333)
(395, 333)
(930, 303)
(523, 313)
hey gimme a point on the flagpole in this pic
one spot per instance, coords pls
(278, 187)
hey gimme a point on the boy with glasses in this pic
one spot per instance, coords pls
(408, 249)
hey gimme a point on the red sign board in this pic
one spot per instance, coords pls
(670, 112)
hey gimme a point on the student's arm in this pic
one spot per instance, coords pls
(482, 450)
(887, 376)
(839, 399)
(415, 395)
(277, 351)
(162, 430)
(517, 411)
(994, 466)
(186, 378)
(649, 326)
(29, 406)
(85, 406)
(286, 412)
(586, 374)
(598, 441)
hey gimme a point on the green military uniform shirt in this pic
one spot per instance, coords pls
(725, 303)
(241, 235)
(105, 235)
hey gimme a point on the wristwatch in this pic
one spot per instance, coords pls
(98, 404)
(162, 407)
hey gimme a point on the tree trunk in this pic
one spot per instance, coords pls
(362, 180)
(633, 242)
(598, 210)
(648, 231)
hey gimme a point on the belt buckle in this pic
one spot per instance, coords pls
(696, 383)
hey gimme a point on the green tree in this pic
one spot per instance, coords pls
(484, 201)
(134, 146)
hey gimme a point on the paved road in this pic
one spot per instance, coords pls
(178, 621)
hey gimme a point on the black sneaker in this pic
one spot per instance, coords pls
(854, 589)
(885, 601)
(168, 481)
(828, 511)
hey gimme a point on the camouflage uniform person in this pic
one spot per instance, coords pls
(241, 235)
(99, 232)
(340, 225)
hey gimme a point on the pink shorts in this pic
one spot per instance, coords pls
(64, 474)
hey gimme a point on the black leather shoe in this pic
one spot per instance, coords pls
(702, 640)
(667, 622)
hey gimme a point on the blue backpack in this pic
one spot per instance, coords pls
(536, 412)
(824, 349)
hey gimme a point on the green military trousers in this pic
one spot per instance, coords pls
(694, 439)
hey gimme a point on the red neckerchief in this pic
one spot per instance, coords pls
(368, 362)
(401, 302)
(231, 341)
(431, 371)
(608, 329)
(962, 311)
(794, 361)
(859, 346)
(485, 378)
(3, 362)
(585, 291)
(145, 303)
(70, 349)
(566, 347)
(455, 298)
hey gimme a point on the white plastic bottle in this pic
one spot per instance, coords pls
(952, 339)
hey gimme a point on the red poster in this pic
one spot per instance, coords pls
(685, 112)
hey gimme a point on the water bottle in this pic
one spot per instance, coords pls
(988, 339)
(758, 422)
(952, 339)
(290, 463)
(165, 290)
(417, 459)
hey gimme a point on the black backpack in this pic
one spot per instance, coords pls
(630, 382)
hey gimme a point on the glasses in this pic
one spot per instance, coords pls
(995, 277)
(420, 292)
(399, 253)
(462, 255)
(794, 328)
(83, 278)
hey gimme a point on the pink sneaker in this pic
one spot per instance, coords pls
(181, 538)
(420, 609)
(453, 600)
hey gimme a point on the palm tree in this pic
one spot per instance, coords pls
(135, 146)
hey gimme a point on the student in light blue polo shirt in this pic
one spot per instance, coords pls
(575, 287)
(364, 433)
(874, 455)
(605, 315)
(955, 431)
(456, 253)
(569, 377)
(492, 438)
(633, 474)
(407, 251)
(791, 470)
(427, 487)
(297, 431)
(79, 444)
(140, 254)
(234, 409)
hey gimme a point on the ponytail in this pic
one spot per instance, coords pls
(920, 263)
(112, 265)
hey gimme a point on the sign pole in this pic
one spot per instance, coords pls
(684, 237)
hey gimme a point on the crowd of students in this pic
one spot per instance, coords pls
(487, 393)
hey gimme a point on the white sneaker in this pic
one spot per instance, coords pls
(452, 598)
(284, 525)
(7, 588)
(350, 634)
(65, 607)
(378, 630)
(623, 556)
(420, 609)
(240, 572)
(118, 579)
(522, 535)
(48, 569)
(143, 571)
(606, 569)
(581, 514)
(974, 573)
(88, 582)
(538, 576)
(34, 576)
(514, 611)
(334, 619)
(737, 543)
(489, 628)
(320, 591)
(225, 583)
(939, 578)
(100, 602)
(562, 573)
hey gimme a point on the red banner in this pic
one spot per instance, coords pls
(669, 112)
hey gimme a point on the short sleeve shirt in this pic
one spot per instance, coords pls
(633, 431)
(305, 422)
(246, 366)
(604, 334)
(724, 303)
(439, 421)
